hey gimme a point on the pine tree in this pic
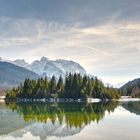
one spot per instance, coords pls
(60, 86)
(74, 86)
(52, 85)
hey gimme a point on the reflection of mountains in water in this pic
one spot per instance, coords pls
(44, 130)
(63, 119)
(12, 124)
(133, 107)
(10, 121)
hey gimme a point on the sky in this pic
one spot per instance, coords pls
(102, 35)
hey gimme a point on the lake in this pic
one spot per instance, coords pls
(66, 121)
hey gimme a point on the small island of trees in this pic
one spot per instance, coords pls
(74, 86)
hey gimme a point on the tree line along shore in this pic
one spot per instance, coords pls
(74, 86)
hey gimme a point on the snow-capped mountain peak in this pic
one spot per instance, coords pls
(20, 62)
(47, 67)
(44, 59)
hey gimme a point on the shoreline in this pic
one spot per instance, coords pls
(70, 100)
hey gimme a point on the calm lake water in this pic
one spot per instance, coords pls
(66, 121)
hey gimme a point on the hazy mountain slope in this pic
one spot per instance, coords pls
(46, 67)
(12, 75)
(131, 88)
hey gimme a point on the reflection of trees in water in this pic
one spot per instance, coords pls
(133, 107)
(74, 114)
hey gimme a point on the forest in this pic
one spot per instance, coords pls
(74, 86)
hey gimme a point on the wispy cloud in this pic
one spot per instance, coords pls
(107, 49)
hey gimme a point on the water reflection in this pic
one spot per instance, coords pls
(133, 107)
(77, 121)
(73, 114)
(10, 121)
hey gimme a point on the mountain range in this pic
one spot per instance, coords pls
(47, 67)
(12, 75)
(14, 72)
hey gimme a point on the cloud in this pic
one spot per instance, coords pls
(85, 12)
(108, 49)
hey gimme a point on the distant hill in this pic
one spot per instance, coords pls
(12, 75)
(132, 88)
(46, 67)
